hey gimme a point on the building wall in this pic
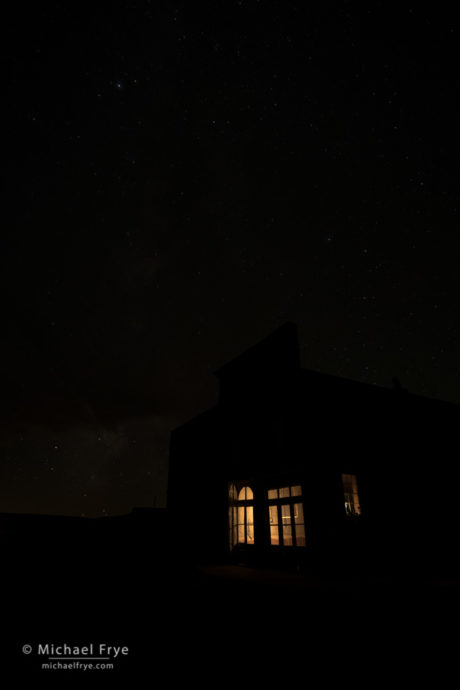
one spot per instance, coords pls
(311, 428)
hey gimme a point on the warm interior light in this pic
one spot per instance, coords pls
(241, 518)
(283, 515)
(245, 494)
(274, 536)
(300, 535)
(351, 497)
(287, 535)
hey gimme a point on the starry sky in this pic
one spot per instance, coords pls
(180, 179)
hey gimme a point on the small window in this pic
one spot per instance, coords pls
(351, 497)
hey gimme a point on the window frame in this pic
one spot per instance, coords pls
(355, 494)
(290, 501)
(234, 506)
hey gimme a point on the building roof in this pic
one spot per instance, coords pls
(278, 351)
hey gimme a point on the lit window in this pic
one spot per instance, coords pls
(285, 514)
(245, 494)
(350, 490)
(240, 516)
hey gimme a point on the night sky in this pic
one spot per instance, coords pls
(178, 180)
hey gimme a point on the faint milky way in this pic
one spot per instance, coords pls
(182, 181)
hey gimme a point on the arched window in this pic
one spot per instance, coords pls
(241, 515)
(245, 494)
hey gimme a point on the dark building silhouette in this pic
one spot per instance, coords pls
(301, 467)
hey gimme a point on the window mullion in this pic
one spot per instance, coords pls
(294, 540)
(280, 526)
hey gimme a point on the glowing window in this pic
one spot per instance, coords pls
(240, 516)
(286, 517)
(351, 497)
(245, 494)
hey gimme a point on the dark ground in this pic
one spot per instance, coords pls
(187, 623)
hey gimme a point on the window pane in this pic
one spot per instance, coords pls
(250, 534)
(350, 489)
(245, 494)
(287, 535)
(250, 515)
(232, 492)
(352, 504)
(298, 512)
(296, 490)
(241, 515)
(300, 535)
(273, 512)
(284, 493)
(241, 538)
(274, 536)
(286, 514)
(272, 493)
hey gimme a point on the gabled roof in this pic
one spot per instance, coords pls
(278, 351)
